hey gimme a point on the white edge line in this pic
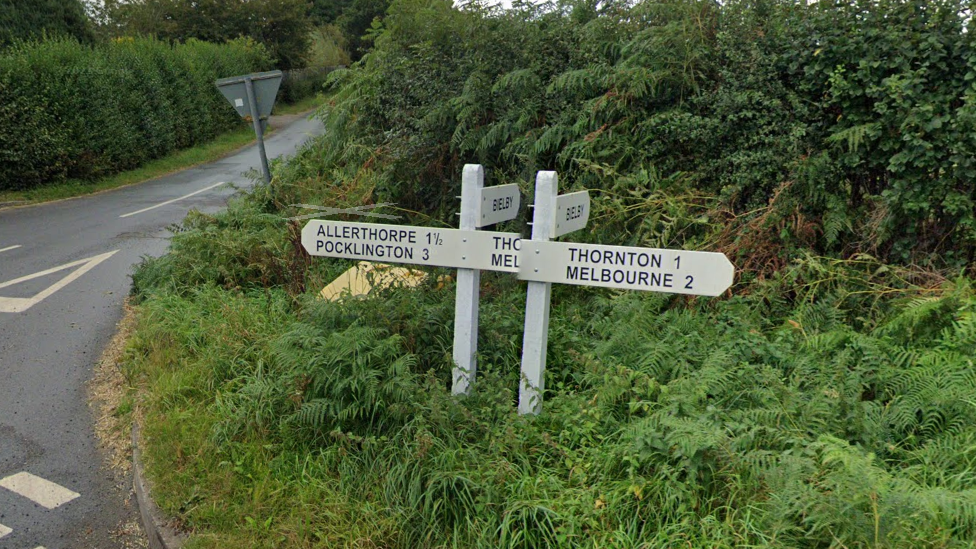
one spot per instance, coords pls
(161, 204)
(8, 248)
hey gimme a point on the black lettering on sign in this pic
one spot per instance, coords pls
(498, 204)
(504, 260)
(507, 243)
(574, 212)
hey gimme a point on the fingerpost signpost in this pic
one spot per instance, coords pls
(539, 261)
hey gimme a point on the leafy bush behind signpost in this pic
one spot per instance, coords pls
(73, 111)
(842, 126)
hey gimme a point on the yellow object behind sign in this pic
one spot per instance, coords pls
(365, 276)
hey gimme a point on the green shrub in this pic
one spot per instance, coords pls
(79, 111)
(850, 121)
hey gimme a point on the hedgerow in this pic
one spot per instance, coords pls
(74, 111)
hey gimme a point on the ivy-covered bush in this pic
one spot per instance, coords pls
(76, 111)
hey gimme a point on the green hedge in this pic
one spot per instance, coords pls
(297, 84)
(72, 111)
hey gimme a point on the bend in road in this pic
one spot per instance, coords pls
(64, 273)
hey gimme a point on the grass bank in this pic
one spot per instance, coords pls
(806, 411)
(174, 162)
(301, 106)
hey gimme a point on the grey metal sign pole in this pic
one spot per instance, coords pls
(253, 95)
(255, 119)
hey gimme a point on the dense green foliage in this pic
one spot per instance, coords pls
(848, 121)
(353, 17)
(34, 19)
(77, 111)
(282, 26)
(838, 418)
(326, 53)
(830, 401)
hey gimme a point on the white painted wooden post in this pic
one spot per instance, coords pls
(468, 288)
(536, 336)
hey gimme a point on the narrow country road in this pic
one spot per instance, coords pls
(64, 272)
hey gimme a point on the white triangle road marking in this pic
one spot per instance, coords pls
(42, 492)
(4, 531)
(21, 304)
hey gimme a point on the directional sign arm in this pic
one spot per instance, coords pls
(496, 204)
(626, 268)
(434, 247)
(572, 212)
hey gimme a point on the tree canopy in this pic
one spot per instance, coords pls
(281, 25)
(26, 19)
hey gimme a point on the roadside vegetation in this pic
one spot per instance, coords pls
(90, 98)
(219, 147)
(74, 111)
(828, 401)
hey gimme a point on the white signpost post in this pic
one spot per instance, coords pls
(538, 261)
(543, 262)
(468, 250)
(535, 338)
(480, 206)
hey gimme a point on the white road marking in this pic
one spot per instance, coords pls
(8, 248)
(161, 204)
(4, 530)
(42, 492)
(21, 304)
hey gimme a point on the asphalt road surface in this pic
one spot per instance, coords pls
(64, 273)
